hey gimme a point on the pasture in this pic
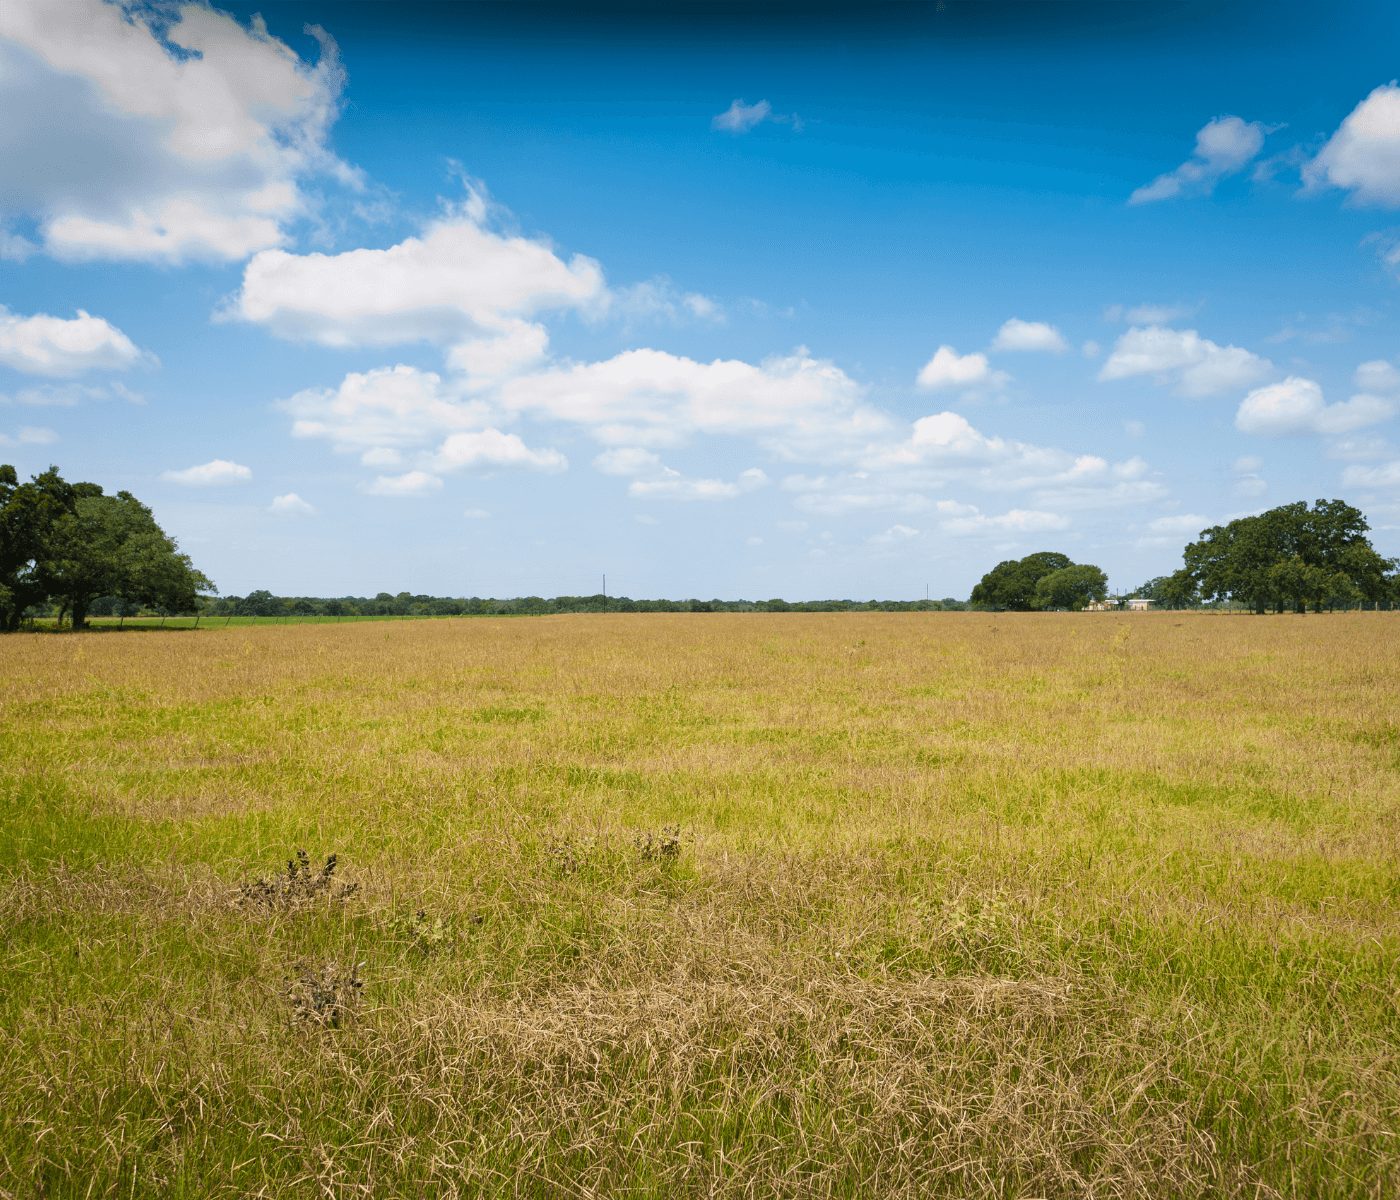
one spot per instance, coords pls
(715, 905)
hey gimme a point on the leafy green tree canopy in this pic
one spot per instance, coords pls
(1289, 557)
(1012, 584)
(1071, 587)
(73, 543)
(29, 513)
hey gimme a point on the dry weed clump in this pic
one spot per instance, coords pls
(324, 996)
(299, 885)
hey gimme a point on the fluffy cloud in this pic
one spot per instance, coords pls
(214, 473)
(842, 503)
(1378, 376)
(518, 346)
(159, 134)
(1249, 484)
(29, 435)
(384, 413)
(799, 405)
(740, 117)
(1197, 366)
(1184, 523)
(1363, 156)
(661, 300)
(410, 483)
(1223, 146)
(895, 535)
(384, 410)
(1148, 314)
(672, 485)
(1016, 521)
(858, 491)
(944, 450)
(59, 346)
(291, 505)
(487, 448)
(652, 479)
(69, 395)
(1368, 447)
(949, 369)
(628, 460)
(459, 281)
(1028, 335)
(1296, 406)
(949, 444)
(1385, 475)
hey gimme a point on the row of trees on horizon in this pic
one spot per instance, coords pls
(1293, 558)
(70, 550)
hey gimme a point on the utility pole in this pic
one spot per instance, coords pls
(605, 591)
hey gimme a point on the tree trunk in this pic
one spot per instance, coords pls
(79, 614)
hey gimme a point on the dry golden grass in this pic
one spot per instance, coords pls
(1037, 905)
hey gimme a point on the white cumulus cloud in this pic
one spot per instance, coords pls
(29, 435)
(1196, 365)
(461, 281)
(1383, 475)
(1363, 155)
(1019, 335)
(949, 369)
(1183, 523)
(1296, 406)
(215, 473)
(1378, 376)
(741, 117)
(1016, 521)
(628, 460)
(291, 505)
(410, 483)
(893, 536)
(159, 133)
(1223, 146)
(64, 346)
(488, 448)
(672, 485)
(1148, 314)
(383, 411)
(796, 403)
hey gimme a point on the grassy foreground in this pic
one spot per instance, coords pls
(959, 905)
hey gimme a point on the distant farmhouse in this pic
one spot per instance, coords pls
(1135, 604)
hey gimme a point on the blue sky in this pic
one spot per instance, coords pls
(824, 301)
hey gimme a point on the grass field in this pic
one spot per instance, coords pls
(875, 905)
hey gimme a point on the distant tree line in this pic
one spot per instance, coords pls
(65, 546)
(71, 550)
(405, 604)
